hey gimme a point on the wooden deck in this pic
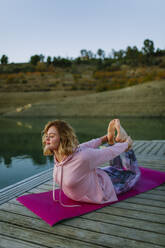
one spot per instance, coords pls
(136, 222)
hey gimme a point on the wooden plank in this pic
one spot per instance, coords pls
(161, 151)
(160, 188)
(119, 228)
(151, 197)
(93, 232)
(41, 237)
(108, 215)
(112, 210)
(128, 222)
(141, 146)
(133, 214)
(17, 209)
(152, 162)
(154, 168)
(16, 189)
(146, 202)
(148, 148)
(144, 208)
(152, 150)
(49, 183)
(156, 148)
(45, 187)
(156, 192)
(29, 179)
(135, 145)
(151, 159)
(7, 242)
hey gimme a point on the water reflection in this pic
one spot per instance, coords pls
(21, 149)
(23, 137)
(21, 143)
(7, 160)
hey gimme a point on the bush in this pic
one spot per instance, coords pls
(102, 86)
(102, 74)
(41, 67)
(11, 79)
(161, 75)
(76, 76)
(115, 67)
(24, 81)
(132, 81)
(74, 87)
(162, 64)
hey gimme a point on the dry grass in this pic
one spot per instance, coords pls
(10, 101)
(139, 100)
(79, 77)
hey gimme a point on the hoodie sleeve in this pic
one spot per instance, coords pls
(94, 143)
(96, 157)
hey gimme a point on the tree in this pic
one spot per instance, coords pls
(4, 60)
(42, 58)
(49, 60)
(85, 56)
(148, 47)
(118, 55)
(101, 53)
(160, 52)
(83, 53)
(61, 62)
(35, 59)
(148, 52)
(90, 54)
(132, 56)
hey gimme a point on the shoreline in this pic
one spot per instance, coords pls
(144, 100)
(81, 116)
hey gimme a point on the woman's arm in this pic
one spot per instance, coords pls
(94, 143)
(96, 157)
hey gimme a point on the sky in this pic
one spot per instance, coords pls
(64, 27)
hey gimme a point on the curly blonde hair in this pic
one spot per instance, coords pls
(68, 138)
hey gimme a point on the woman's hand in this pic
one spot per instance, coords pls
(104, 139)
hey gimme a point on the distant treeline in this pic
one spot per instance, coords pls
(148, 56)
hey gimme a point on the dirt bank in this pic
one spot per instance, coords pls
(141, 100)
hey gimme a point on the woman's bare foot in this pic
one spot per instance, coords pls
(111, 132)
(121, 133)
(130, 143)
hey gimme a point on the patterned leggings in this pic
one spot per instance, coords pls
(123, 171)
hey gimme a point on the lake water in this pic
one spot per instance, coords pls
(21, 149)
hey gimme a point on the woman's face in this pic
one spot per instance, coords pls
(52, 139)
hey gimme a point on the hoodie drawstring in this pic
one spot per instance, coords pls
(60, 196)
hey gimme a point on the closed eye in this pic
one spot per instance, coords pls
(50, 136)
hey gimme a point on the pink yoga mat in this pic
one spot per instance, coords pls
(42, 204)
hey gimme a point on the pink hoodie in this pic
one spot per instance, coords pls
(79, 176)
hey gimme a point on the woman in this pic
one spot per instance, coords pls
(76, 167)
